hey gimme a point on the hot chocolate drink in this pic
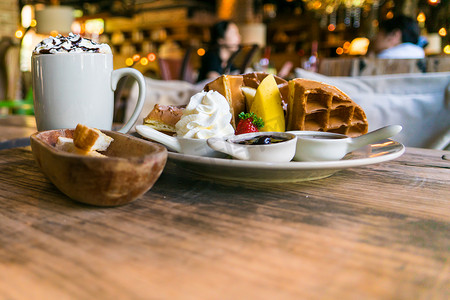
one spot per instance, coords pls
(74, 82)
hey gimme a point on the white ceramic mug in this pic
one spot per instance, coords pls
(72, 88)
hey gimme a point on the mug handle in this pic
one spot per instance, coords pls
(119, 73)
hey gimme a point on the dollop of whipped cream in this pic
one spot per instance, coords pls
(73, 43)
(207, 115)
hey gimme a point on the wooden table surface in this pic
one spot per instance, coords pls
(14, 127)
(375, 232)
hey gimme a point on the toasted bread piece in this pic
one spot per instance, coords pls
(230, 87)
(164, 117)
(317, 106)
(90, 139)
(67, 145)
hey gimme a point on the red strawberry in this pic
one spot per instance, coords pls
(249, 123)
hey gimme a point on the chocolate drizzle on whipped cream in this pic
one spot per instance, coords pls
(73, 43)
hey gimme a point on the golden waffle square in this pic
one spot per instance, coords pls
(316, 106)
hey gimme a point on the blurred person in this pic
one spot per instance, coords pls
(398, 38)
(225, 40)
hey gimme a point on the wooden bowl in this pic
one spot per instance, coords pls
(130, 169)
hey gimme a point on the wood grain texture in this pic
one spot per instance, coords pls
(374, 232)
(14, 127)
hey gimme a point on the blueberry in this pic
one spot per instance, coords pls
(263, 140)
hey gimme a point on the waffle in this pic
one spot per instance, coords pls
(316, 106)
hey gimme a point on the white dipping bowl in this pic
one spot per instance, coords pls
(277, 152)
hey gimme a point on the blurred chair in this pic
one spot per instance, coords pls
(248, 58)
(374, 66)
(231, 61)
(364, 66)
(285, 69)
(439, 63)
(336, 66)
(242, 58)
(177, 69)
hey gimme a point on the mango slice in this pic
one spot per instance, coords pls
(267, 105)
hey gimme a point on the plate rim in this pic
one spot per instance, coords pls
(292, 165)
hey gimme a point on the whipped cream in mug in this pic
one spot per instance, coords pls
(207, 115)
(73, 43)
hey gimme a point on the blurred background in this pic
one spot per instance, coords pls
(324, 36)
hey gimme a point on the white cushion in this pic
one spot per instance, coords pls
(419, 102)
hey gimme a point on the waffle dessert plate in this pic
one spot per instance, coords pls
(231, 169)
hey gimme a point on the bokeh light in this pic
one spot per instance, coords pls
(151, 57)
(144, 61)
(129, 62)
(442, 31)
(339, 51)
(421, 17)
(317, 4)
(19, 34)
(94, 26)
(201, 51)
(136, 57)
(447, 49)
(78, 13)
(359, 46)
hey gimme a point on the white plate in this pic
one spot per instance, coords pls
(232, 169)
